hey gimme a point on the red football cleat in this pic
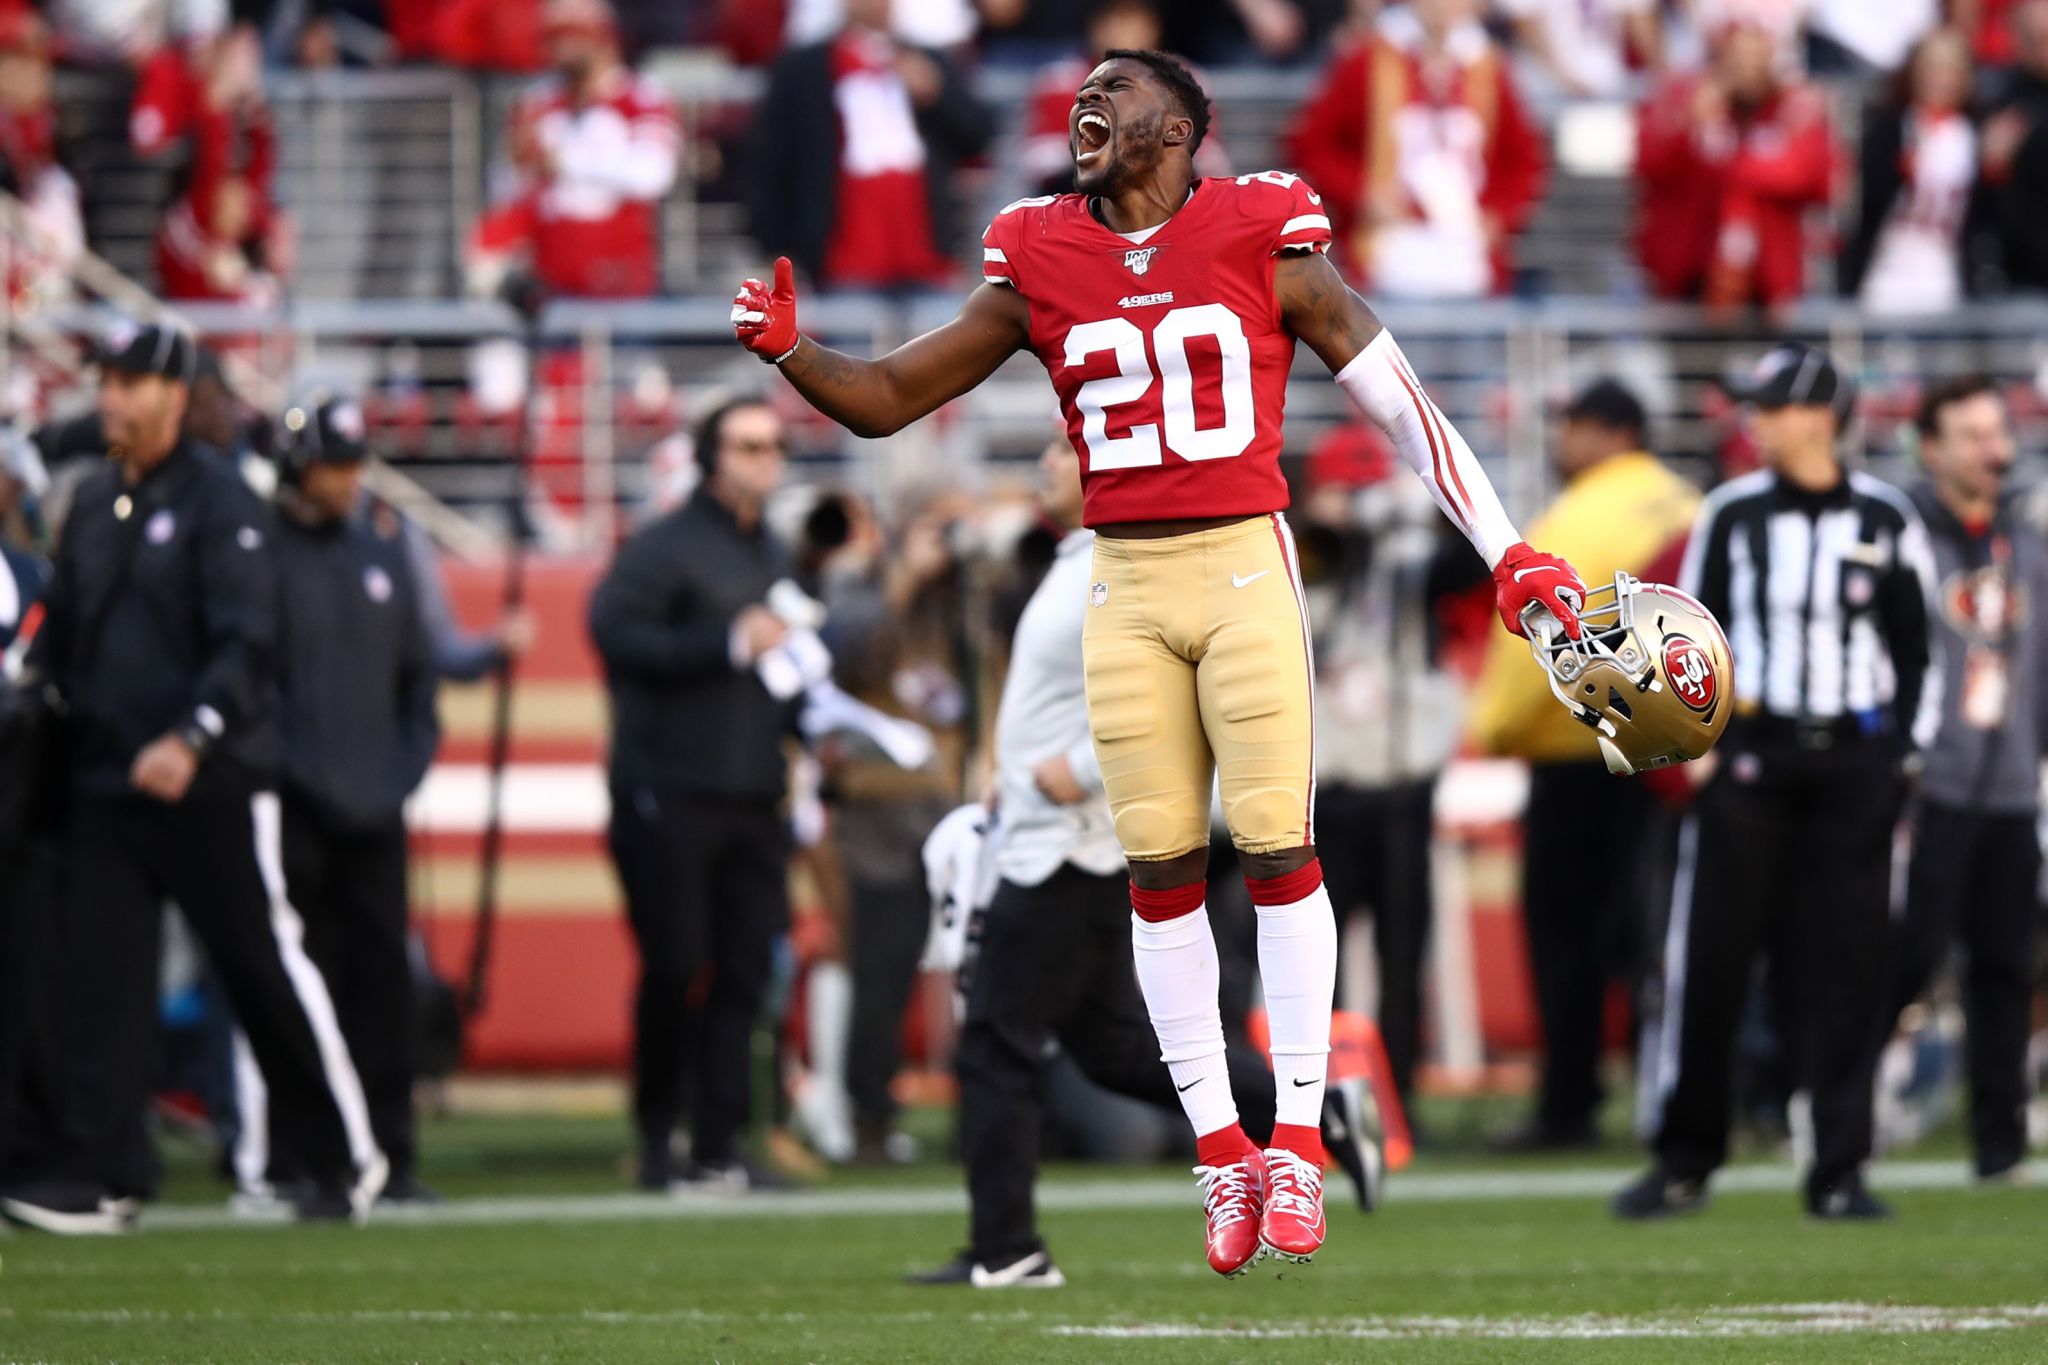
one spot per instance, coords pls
(1231, 1198)
(1291, 1225)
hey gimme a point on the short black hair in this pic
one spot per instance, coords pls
(1946, 394)
(709, 434)
(1608, 403)
(1180, 83)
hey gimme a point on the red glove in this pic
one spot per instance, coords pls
(764, 318)
(1524, 576)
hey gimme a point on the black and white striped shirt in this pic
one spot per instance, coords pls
(1824, 597)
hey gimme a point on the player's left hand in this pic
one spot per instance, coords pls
(764, 318)
(1524, 576)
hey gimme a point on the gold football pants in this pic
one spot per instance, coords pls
(1200, 676)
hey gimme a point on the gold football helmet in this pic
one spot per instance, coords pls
(1651, 675)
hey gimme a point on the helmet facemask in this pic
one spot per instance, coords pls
(1646, 674)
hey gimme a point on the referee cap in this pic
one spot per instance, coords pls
(1795, 375)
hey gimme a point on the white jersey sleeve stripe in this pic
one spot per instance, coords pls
(1305, 221)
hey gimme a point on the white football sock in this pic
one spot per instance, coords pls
(828, 998)
(1298, 972)
(1178, 975)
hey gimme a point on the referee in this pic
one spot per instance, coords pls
(160, 632)
(1821, 577)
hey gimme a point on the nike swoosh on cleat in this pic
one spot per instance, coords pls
(1248, 579)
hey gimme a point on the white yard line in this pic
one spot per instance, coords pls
(1760, 1320)
(1147, 1192)
(1753, 1321)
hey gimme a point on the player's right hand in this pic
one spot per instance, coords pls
(765, 319)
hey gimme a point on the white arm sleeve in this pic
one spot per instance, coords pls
(1380, 381)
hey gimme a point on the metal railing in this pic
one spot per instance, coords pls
(614, 381)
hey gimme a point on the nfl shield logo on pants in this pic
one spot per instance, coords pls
(1098, 594)
(1138, 260)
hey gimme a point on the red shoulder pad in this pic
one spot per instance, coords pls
(1290, 205)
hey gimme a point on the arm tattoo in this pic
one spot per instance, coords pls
(1322, 311)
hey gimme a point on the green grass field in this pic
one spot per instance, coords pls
(538, 1257)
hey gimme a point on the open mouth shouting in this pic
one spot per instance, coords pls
(1090, 137)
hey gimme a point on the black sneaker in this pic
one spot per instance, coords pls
(657, 1169)
(959, 1270)
(1658, 1195)
(738, 1176)
(1849, 1201)
(321, 1202)
(1354, 1138)
(1034, 1270)
(68, 1208)
(407, 1191)
(1535, 1139)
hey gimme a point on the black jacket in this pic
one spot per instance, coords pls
(795, 154)
(356, 675)
(683, 718)
(162, 617)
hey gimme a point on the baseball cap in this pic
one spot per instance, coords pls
(158, 349)
(1795, 375)
(323, 429)
(1609, 403)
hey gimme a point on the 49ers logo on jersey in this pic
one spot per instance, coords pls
(1691, 670)
(1138, 260)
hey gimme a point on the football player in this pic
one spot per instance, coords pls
(1166, 309)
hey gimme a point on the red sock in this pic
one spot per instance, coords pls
(1223, 1146)
(1300, 1139)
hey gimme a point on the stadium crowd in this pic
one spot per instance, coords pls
(1899, 146)
(878, 633)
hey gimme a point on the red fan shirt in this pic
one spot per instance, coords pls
(1166, 348)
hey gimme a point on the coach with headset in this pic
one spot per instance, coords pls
(356, 682)
(697, 777)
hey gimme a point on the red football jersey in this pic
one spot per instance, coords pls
(1167, 353)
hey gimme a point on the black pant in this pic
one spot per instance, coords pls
(1055, 964)
(890, 922)
(1374, 843)
(1583, 888)
(707, 893)
(30, 1059)
(1789, 853)
(350, 889)
(1976, 873)
(218, 858)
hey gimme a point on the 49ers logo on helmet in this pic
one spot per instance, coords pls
(1691, 670)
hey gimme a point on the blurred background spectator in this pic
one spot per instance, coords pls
(223, 235)
(2016, 154)
(594, 151)
(1863, 40)
(1379, 571)
(898, 634)
(1620, 509)
(852, 155)
(30, 168)
(1730, 161)
(1587, 49)
(1919, 168)
(1419, 144)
